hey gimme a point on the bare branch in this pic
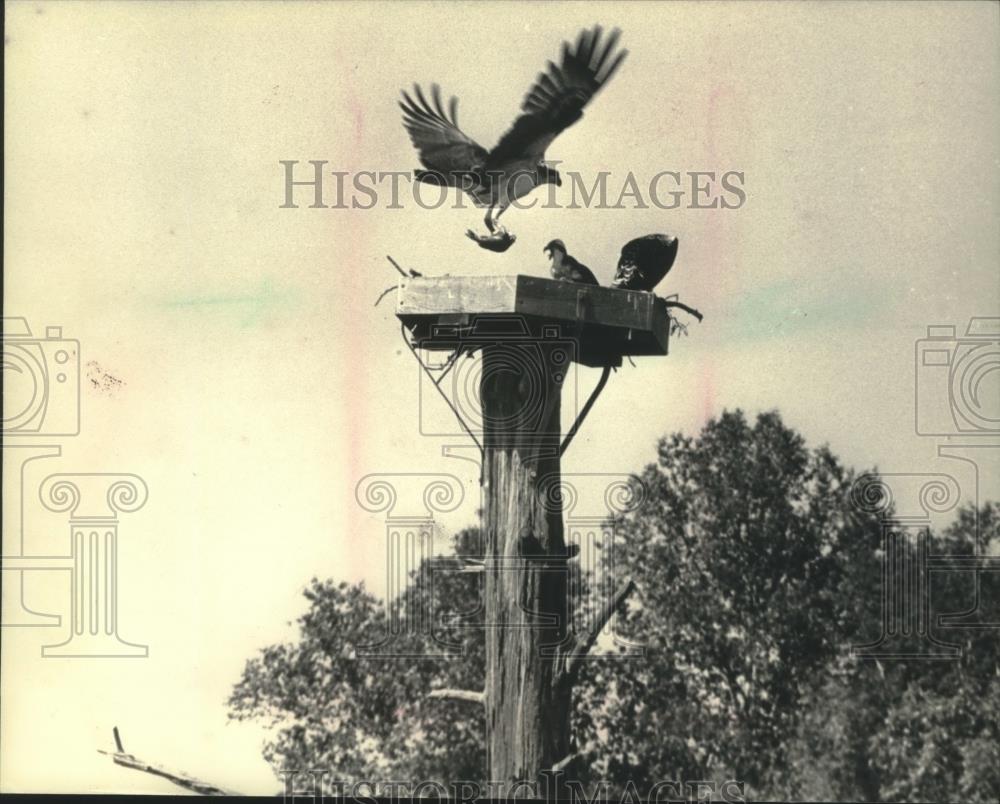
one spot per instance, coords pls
(385, 293)
(563, 763)
(459, 695)
(179, 779)
(685, 308)
(583, 645)
(409, 272)
(395, 265)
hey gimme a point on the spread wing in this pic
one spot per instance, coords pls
(557, 99)
(442, 145)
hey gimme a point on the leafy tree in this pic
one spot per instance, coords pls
(918, 730)
(740, 554)
(337, 701)
(755, 573)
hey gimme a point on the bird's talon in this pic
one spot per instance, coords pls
(497, 176)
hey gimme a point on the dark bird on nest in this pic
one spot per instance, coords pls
(516, 165)
(644, 262)
(568, 268)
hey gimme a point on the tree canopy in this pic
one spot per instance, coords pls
(756, 572)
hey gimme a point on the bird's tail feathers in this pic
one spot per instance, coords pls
(429, 176)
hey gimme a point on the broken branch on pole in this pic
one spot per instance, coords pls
(563, 763)
(586, 641)
(470, 696)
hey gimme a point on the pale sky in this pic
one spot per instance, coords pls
(143, 188)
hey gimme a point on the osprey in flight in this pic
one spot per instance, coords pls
(516, 165)
(644, 262)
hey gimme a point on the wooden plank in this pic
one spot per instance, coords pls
(457, 294)
(568, 301)
(527, 295)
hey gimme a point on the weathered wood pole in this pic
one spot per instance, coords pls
(527, 697)
(532, 658)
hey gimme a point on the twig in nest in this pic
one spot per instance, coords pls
(395, 265)
(384, 293)
(685, 308)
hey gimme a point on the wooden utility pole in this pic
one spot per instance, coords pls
(527, 331)
(527, 706)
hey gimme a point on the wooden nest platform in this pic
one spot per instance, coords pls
(465, 312)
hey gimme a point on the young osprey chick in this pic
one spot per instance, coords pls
(566, 267)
